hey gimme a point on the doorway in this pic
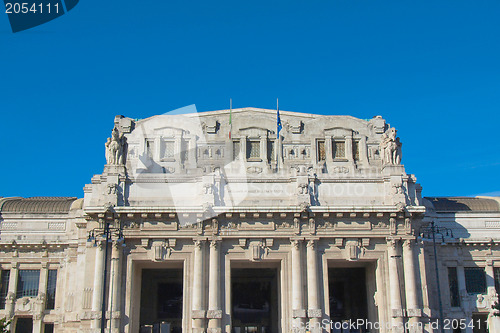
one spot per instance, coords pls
(161, 300)
(24, 325)
(348, 298)
(254, 300)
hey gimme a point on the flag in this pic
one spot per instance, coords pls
(279, 127)
(230, 116)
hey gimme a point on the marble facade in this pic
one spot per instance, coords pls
(326, 193)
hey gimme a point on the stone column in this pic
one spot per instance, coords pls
(263, 148)
(490, 278)
(394, 286)
(462, 290)
(214, 313)
(414, 312)
(299, 313)
(115, 294)
(97, 293)
(10, 302)
(493, 321)
(313, 308)
(198, 313)
(348, 148)
(191, 153)
(329, 149)
(41, 299)
(243, 148)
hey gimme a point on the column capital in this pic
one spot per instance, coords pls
(215, 243)
(311, 243)
(295, 243)
(392, 242)
(408, 244)
(198, 243)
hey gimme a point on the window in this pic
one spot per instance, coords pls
(475, 280)
(236, 149)
(355, 150)
(338, 149)
(453, 281)
(48, 328)
(253, 149)
(496, 271)
(321, 150)
(167, 149)
(24, 324)
(4, 287)
(184, 151)
(271, 152)
(27, 283)
(51, 289)
(150, 148)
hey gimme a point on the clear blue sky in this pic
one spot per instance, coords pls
(431, 68)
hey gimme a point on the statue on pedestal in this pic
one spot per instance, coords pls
(115, 148)
(390, 148)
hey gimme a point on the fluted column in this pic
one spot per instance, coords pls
(198, 313)
(413, 310)
(97, 293)
(299, 313)
(394, 286)
(313, 309)
(214, 313)
(115, 294)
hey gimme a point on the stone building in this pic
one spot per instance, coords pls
(219, 222)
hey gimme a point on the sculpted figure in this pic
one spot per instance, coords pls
(115, 148)
(390, 147)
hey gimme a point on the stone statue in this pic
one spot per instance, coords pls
(115, 148)
(390, 148)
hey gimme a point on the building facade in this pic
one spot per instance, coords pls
(221, 222)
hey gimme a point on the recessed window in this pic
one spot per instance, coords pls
(27, 283)
(253, 149)
(355, 150)
(150, 148)
(48, 328)
(475, 280)
(453, 281)
(184, 151)
(321, 150)
(236, 149)
(339, 149)
(51, 289)
(496, 271)
(167, 149)
(4, 287)
(271, 152)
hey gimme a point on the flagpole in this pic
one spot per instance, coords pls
(278, 139)
(230, 117)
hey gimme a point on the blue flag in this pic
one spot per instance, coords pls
(279, 125)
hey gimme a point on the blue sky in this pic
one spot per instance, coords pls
(431, 68)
